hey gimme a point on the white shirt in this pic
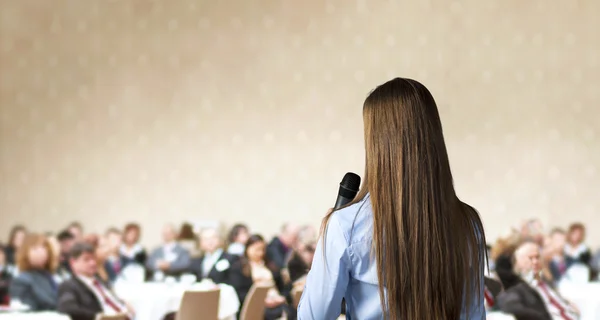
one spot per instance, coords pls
(106, 308)
(169, 252)
(236, 249)
(210, 259)
(131, 252)
(558, 308)
(575, 252)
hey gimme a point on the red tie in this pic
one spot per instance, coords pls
(561, 309)
(488, 297)
(106, 298)
(117, 266)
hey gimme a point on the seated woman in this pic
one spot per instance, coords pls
(576, 251)
(15, 240)
(131, 248)
(254, 268)
(35, 285)
(237, 239)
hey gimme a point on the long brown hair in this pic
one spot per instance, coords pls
(32, 240)
(429, 246)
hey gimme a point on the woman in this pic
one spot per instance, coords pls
(575, 250)
(35, 285)
(15, 239)
(188, 239)
(131, 249)
(254, 267)
(237, 239)
(406, 247)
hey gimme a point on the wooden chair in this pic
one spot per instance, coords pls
(113, 317)
(296, 295)
(203, 304)
(254, 304)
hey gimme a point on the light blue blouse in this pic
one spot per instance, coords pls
(346, 271)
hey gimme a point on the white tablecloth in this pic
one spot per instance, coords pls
(585, 296)
(152, 301)
(499, 316)
(33, 316)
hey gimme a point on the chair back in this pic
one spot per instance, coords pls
(254, 304)
(194, 303)
(296, 296)
(112, 317)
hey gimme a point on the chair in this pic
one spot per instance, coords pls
(113, 317)
(254, 304)
(296, 295)
(194, 303)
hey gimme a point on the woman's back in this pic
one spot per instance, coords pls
(412, 236)
(349, 271)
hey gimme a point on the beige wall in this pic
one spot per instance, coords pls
(161, 111)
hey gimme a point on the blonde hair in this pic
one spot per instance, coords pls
(32, 240)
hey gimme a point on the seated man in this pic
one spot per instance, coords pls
(84, 296)
(532, 298)
(171, 258)
(214, 263)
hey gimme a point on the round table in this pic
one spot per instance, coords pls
(154, 300)
(585, 296)
(493, 315)
(33, 316)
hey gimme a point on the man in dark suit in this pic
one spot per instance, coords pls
(214, 263)
(530, 298)
(281, 247)
(84, 296)
(66, 241)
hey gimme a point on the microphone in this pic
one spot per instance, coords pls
(348, 190)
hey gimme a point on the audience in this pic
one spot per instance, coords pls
(15, 239)
(282, 246)
(131, 249)
(576, 251)
(171, 257)
(84, 297)
(255, 267)
(237, 238)
(214, 264)
(528, 265)
(35, 285)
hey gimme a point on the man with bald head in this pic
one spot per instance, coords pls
(214, 264)
(170, 258)
(281, 247)
(532, 298)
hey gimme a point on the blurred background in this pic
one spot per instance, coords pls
(217, 112)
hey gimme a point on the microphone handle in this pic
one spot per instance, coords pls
(341, 201)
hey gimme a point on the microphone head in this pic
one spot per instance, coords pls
(351, 181)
